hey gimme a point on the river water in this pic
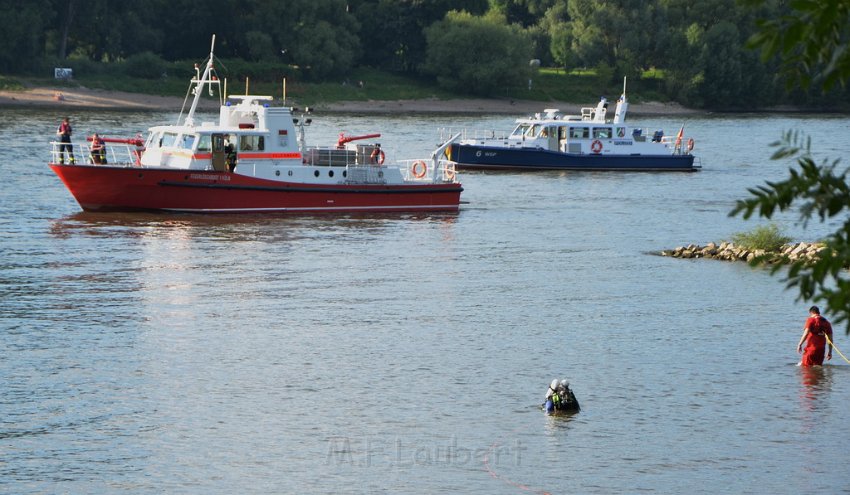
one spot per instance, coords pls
(148, 353)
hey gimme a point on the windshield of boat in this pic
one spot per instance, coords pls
(204, 143)
(187, 141)
(522, 130)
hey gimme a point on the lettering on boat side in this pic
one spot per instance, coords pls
(209, 177)
(619, 143)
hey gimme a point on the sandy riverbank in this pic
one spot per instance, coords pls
(82, 98)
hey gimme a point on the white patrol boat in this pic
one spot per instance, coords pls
(554, 141)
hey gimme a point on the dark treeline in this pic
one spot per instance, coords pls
(697, 49)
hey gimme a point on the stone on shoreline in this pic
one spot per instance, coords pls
(802, 251)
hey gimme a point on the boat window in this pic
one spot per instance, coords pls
(187, 140)
(251, 143)
(520, 130)
(204, 143)
(532, 130)
(544, 132)
(153, 141)
(562, 133)
(579, 132)
(168, 139)
(602, 132)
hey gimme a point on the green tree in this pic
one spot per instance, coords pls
(812, 44)
(477, 55)
(561, 41)
(625, 34)
(320, 36)
(721, 63)
(393, 35)
(526, 13)
(22, 37)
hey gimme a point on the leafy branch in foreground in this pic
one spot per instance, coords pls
(811, 42)
(822, 191)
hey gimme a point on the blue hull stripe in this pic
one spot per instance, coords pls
(472, 157)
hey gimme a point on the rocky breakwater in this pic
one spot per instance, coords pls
(727, 251)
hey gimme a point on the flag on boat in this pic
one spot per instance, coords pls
(679, 136)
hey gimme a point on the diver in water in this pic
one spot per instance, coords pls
(560, 399)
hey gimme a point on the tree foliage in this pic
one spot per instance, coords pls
(478, 55)
(699, 47)
(812, 42)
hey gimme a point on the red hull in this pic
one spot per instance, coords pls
(104, 188)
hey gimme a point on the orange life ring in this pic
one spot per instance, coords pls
(377, 156)
(690, 144)
(419, 169)
(596, 146)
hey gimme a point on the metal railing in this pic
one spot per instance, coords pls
(424, 171)
(447, 132)
(115, 154)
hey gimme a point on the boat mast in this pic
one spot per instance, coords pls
(199, 85)
(622, 106)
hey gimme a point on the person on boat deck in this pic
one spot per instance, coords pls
(815, 333)
(98, 149)
(230, 153)
(64, 133)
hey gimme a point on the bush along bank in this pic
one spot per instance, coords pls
(727, 251)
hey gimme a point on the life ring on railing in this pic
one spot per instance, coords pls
(377, 156)
(690, 144)
(419, 169)
(596, 146)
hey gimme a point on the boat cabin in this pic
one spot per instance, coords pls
(247, 133)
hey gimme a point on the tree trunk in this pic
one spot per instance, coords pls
(66, 27)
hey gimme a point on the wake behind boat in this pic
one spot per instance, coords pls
(555, 141)
(252, 160)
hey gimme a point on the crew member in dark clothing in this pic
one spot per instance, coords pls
(64, 133)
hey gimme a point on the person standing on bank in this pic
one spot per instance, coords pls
(816, 330)
(64, 133)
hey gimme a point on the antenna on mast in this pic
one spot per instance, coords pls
(199, 85)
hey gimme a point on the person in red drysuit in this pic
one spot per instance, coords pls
(815, 331)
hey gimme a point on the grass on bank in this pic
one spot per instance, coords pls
(767, 237)
(362, 84)
(10, 84)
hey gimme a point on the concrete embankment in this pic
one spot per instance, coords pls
(730, 252)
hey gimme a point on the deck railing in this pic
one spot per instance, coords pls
(424, 170)
(448, 132)
(115, 154)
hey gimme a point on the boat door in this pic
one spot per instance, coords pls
(562, 140)
(219, 155)
(553, 138)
